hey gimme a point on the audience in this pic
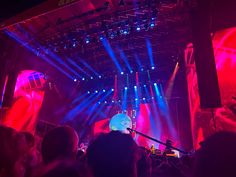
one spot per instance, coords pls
(217, 156)
(144, 167)
(60, 143)
(112, 154)
(67, 169)
(8, 151)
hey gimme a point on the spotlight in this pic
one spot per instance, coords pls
(131, 71)
(111, 34)
(121, 72)
(152, 97)
(88, 92)
(144, 98)
(144, 85)
(74, 44)
(153, 67)
(91, 77)
(152, 24)
(135, 87)
(75, 80)
(83, 79)
(126, 88)
(136, 99)
(96, 91)
(142, 69)
(112, 90)
(87, 40)
(99, 102)
(100, 77)
(155, 84)
(104, 90)
(112, 101)
(138, 28)
(105, 102)
(119, 101)
(101, 37)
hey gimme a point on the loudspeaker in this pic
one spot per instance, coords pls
(9, 90)
(204, 57)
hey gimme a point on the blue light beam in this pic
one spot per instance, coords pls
(111, 53)
(149, 48)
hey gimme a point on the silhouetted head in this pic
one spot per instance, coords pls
(66, 169)
(8, 147)
(113, 154)
(217, 156)
(60, 143)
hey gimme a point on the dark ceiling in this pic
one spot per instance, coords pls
(10, 8)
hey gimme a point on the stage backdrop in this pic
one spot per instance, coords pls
(202, 121)
(28, 98)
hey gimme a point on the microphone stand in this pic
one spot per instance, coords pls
(158, 141)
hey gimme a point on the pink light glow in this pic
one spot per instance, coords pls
(27, 103)
(225, 57)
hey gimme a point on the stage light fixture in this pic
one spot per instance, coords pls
(112, 101)
(87, 40)
(144, 99)
(100, 77)
(153, 67)
(135, 87)
(138, 28)
(112, 34)
(131, 71)
(152, 24)
(104, 90)
(101, 37)
(144, 85)
(105, 102)
(75, 80)
(152, 97)
(136, 99)
(125, 32)
(126, 88)
(83, 79)
(96, 91)
(74, 44)
(88, 92)
(121, 72)
(155, 84)
(99, 102)
(112, 90)
(91, 77)
(142, 69)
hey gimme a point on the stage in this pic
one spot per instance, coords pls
(64, 66)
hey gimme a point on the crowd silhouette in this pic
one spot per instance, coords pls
(113, 154)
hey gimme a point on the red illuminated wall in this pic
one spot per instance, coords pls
(28, 97)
